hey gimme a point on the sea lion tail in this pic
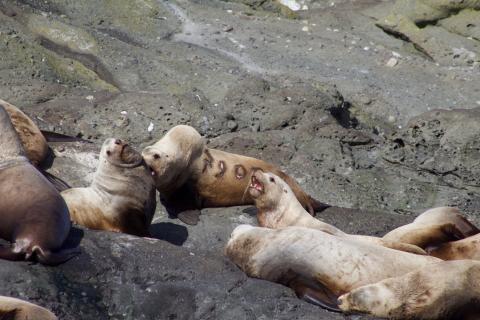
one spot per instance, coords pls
(318, 206)
(51, 136)
(50, 258)
(58, 183)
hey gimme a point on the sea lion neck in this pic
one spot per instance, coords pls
(10, 143)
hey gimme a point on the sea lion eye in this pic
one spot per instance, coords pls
(272, 180)
(156, 156)
(108, 152)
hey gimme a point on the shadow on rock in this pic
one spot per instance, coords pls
(251, 211)
(171, 232)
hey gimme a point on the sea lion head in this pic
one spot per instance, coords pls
(9, 140)
(162, 164)
(120, 154)
(245, 241)
(268, 190)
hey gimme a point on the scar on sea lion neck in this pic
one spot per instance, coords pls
(223, 167)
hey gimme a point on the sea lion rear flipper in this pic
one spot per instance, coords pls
(58, 183)
(55, 258)
(317, 206)
(51, 136)
(190, 217)
(315, 293)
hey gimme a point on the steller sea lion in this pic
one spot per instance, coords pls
(190, 176)
(279, 208)
(33, 215)
(16, 309)
(468, 248)
(434, 227)
(318, 266)
(444, 290)
(122, 196)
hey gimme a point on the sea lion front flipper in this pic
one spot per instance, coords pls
(58, 183)
(317, 206)
(190, 217)
(314, 293)
(51, 136)
(7, 253)
(55, 258)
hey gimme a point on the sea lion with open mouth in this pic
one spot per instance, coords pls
(122, 196)
(447, 290)
(33, 215)
(278, 208)
(318, 266)
(190, 176)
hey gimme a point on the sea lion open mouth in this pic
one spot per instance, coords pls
(129, 156)
(152, 171)
(257, 185)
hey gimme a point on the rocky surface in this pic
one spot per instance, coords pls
(360, 118)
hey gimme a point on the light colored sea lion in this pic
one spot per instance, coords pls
(278, 208)
(443, 290)
(33, 215)
(318, 266)
(16, 309)
(468, 248)
(122, 196)
(190, 176)
(434, 227)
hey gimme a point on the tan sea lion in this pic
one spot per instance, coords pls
(318, 266)
(434, 227)
(122, 196)
(444, 290)
(16, 309)
(190, 176)
(33, 215)
(468, 248)
(279, 208)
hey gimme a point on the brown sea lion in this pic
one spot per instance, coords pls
(190, 176)
(122, 196)
(445, 290)
(33, 215)
(434, 227)
(318, 266)
(16, 309)
(278, 208)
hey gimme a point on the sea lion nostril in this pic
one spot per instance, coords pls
(118, 141)
(109, 152)
(156, 156)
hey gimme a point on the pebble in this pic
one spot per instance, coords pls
(228, 29)
(232, 125)
(122, 122)
(392, 62)
(305, 28)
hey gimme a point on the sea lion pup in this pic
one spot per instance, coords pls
(33, 215)
(122, 196)
(190, 176)
(318, 266)
(16, 309)
(278, 208)
(443, 290)
(434, 227)
(468, 248)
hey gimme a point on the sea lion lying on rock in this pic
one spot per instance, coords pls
(16, 309)
(190, 176)
(122, 196)
(434, 227)
(278, 208)
(33, 215)
(443, 290)
(318, 266)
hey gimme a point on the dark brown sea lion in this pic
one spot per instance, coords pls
(122, 196)
(318, 266)
(190, 176)
(16, 309)
(447, 290)
(279, 208)
(33, 215)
